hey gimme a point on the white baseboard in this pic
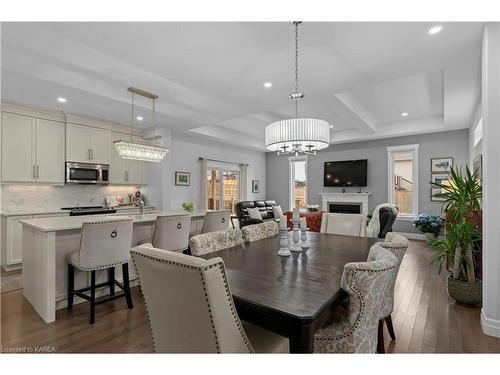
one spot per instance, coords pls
(491, 327)
(413, 236)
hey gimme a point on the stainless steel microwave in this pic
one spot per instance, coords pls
(84, 173)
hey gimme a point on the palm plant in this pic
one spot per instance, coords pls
(461, 208)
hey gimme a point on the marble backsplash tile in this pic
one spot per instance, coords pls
(40, 197)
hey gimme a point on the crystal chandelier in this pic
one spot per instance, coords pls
(297, 135)
(140, 150)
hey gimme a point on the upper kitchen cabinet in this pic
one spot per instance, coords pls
(18, 157)
(32, 149)
(124, 171)
(86, 144)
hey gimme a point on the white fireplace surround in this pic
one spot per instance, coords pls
(358, 198)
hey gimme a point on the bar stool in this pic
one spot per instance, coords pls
(172, 232)
(103, 245)
(215, 221)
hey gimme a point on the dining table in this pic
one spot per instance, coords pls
(291, 296)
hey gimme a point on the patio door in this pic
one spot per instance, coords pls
(223, 187)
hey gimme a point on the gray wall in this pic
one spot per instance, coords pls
(451, 143)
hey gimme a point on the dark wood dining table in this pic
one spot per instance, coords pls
(291, 296)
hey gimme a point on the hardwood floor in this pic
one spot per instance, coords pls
(425, 320)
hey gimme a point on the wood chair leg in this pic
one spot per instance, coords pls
(126, 285)
(92, 297)
(111, 281)
(71, 286)
(390, 328)
(380, 340)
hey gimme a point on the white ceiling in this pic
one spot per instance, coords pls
(359, 77)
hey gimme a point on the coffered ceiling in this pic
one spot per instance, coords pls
(360, 77)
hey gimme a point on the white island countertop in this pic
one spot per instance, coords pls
(55, 224)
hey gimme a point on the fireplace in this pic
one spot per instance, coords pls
(345, 208)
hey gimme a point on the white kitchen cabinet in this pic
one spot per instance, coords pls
(32, 149)
(18, 159)
(124, 171)
(86, 144)
(12, 244)
(49, 151)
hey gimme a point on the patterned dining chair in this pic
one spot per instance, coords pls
(172, 232)
(215, 221)
(190, 307)
(355, 331)
(206, 243)
(397, 244)
(260, 231)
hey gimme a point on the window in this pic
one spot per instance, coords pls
(298, 182)
(403, 178)
(223, 187)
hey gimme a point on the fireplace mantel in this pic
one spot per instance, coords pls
(361, 198)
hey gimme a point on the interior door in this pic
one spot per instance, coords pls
(100, 145)
(77, 143)
(18, 157)
(50, 151)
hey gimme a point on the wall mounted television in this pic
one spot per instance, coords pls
(346, 173)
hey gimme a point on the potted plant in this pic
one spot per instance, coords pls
(188, 206)
(461, 208)
(429, 225)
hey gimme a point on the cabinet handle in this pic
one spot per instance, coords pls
(33, 174)
(126, 175)
(37, 171)
(90, 158)
(92, 154)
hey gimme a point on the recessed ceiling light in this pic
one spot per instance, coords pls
(139, 118)
(404, 114)
(331, 126)
(61, 100)
(268, 85)
(435, 29)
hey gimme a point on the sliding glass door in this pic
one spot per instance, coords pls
(223, 188)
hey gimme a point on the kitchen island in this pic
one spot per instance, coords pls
(47, 242)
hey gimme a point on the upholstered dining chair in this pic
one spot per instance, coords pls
(202, 244)
(397, 244)
(103, 246)
(215, 221)
(172, 232)
(260, 231)
(355, 330)
(344, 224)
(193, 310)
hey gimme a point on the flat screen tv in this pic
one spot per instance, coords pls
(345, 173)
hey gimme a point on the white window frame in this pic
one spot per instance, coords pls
(390, 176)
(291, 180)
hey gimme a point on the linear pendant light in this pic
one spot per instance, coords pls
(297, 136)
(140, 150)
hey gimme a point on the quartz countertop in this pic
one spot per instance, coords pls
(61, 223)
(48, 211)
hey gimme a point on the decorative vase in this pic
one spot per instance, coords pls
(284, 251)
(464, 292)
(295, 236)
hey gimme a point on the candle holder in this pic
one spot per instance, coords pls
(283, 251)
(295, 236)
(304, 244)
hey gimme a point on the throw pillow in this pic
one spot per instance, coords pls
(277, 211)
(254, 213)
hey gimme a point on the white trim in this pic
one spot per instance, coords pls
(405, 217)
(390, 175)
(413, 236)
(491, 327)
(291, 177)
